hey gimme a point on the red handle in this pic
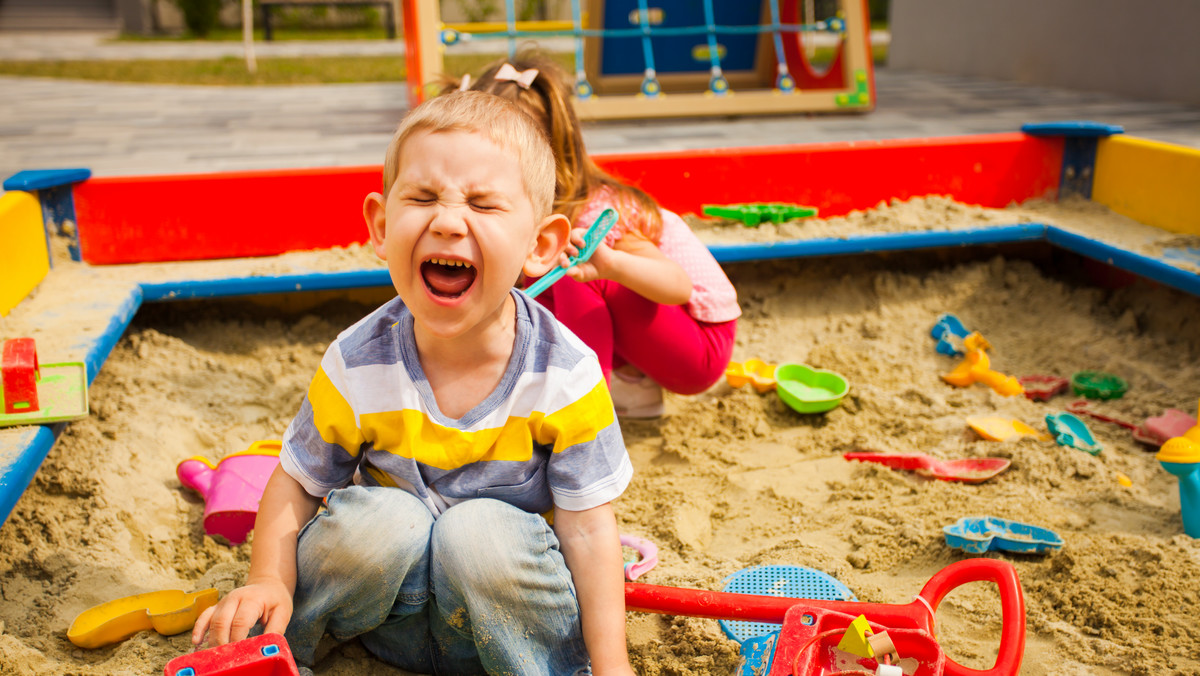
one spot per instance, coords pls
(754, 608)
(1012, 604)
(1081, 407)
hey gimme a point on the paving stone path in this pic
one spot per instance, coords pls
(123, 129)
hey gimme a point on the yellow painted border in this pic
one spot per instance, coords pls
(1151, 182)
(23, 256)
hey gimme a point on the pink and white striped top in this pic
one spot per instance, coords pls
(714, 299)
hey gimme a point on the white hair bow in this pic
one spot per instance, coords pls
(522, 78)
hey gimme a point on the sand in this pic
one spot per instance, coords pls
(726, 480)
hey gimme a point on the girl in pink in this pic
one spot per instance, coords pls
(652, 301)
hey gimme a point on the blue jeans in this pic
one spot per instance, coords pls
(481, 589)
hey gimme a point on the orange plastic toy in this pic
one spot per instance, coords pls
(977, 368)
(754, 371)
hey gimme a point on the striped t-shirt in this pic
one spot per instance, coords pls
(546, 435)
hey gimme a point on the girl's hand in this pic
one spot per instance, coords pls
(596, 267)
(635, 263)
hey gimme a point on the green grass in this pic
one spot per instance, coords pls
(232, 70)
(226, 71)
(274, 71)
(278, 34)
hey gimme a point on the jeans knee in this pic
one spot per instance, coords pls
(367, 528)
(485, 538)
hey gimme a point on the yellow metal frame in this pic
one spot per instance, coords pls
(1151, 182)
(500, 26)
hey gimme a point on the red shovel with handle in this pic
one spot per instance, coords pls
(811, 628)
(965, 470)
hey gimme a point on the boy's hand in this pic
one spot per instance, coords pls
(234, 616)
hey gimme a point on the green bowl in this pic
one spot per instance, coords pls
(809, 390)
(1098, 385)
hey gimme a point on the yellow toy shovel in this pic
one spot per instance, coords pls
(168, 612)
(1004, 429)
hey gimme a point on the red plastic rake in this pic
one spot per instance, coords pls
(807, 641)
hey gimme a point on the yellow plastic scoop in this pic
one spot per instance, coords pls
(168, 612)
(1004, 429)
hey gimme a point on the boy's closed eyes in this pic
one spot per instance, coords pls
(484, 201)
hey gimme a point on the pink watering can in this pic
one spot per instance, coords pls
(232, 488)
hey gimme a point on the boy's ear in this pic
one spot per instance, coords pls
(550, 240)
(375, 214)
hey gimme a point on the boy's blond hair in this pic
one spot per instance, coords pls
(505, 124)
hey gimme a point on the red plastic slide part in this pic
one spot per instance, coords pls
(807, 77)
(20, 375)
(265, 655)
(915, 615)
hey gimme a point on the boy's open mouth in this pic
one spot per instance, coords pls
(447, 278)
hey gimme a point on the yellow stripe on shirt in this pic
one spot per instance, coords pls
(332, 415)
(579, 421)
(410, 434)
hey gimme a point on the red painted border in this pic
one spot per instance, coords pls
(990, 170)
(221, 215)
(263, 213)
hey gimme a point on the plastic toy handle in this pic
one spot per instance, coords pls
(910, 462)
(1081, 407)
(648, 598)
(591, 241)
(1012, 603)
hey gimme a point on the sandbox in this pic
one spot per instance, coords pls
(729, 479)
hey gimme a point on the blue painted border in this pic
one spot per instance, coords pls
(1080, 138)
(1145, 266)
(34, 443)
(835, 246)
(241, 286)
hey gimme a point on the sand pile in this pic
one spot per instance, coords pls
(728, 479)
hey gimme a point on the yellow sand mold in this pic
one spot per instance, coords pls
(168, 612)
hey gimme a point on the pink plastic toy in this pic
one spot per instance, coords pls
(1157, 430)
(232, 488)
(265, 655)
(648, 552)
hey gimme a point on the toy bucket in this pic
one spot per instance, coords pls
(810, 648)
(263, 655)
(232, 488)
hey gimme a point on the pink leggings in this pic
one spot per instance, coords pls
(681, 353)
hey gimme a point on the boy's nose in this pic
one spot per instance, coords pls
(449, 221)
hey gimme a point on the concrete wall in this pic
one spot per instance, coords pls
(135, 16)
(1144, 49)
